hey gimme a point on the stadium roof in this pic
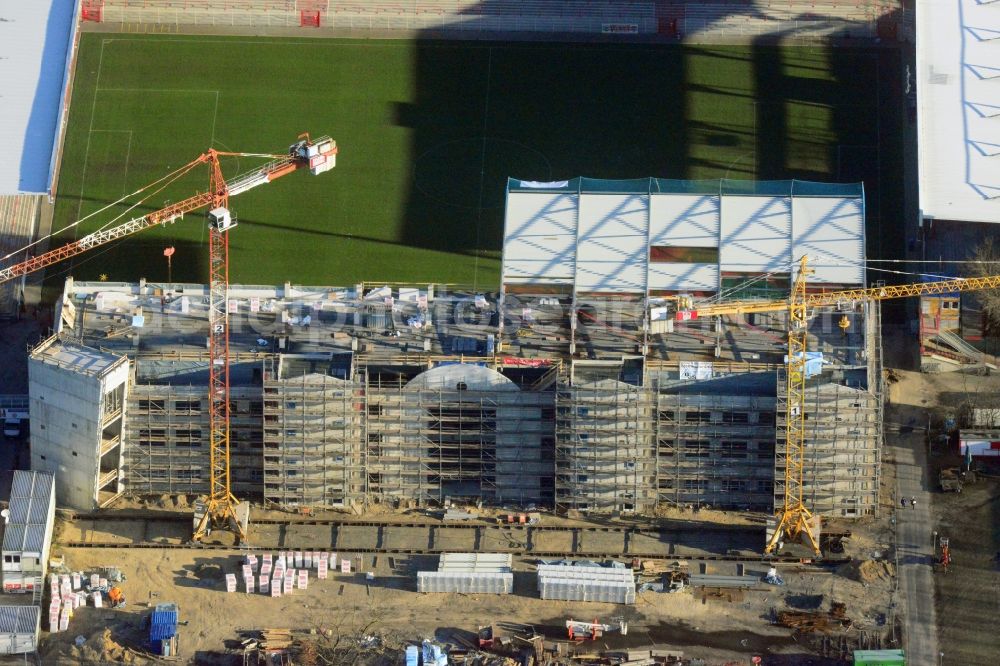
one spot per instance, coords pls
(649, 235)
(958, 93)
(35, 39)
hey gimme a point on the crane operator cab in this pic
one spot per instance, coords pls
(221, 219)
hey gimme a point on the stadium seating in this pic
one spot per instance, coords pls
(681, 18)
(18, 217)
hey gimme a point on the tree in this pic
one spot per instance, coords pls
(987, 262)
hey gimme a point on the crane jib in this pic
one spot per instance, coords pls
(839, 298)
(303, 154)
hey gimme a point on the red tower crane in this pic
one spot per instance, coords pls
(317, 155)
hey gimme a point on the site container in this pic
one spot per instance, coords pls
(879, 658)
(19, 629)
(28, 532)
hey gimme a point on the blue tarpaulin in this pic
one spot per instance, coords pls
(163, 623)
(814, 363)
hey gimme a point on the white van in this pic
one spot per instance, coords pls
(11, 427)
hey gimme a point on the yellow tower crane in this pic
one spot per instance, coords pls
(794, 516)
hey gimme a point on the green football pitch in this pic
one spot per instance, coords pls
(428, 133)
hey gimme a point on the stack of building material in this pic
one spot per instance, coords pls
(55, 605)
(19, 627)
(469, 573)
(804, 621)
(712, 580)
(586, 583)
(276, 639)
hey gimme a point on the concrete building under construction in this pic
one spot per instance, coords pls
(571, 387)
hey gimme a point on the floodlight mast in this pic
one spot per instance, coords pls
(319, 156)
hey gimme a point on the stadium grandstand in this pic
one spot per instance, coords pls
(861, 19)
(557, 391)
(33, 76)
(958, 124)
(36, 54)
(958, 90)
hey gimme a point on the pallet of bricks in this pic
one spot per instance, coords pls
(65, 596)
(289, 570)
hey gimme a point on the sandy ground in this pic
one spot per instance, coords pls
(390, 607)
(344, 606)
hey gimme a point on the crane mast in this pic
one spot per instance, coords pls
(220, 509)
(794, 516)
(317, 155)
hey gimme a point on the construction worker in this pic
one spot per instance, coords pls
(116, 597)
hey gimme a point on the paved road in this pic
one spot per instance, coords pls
(914, 534)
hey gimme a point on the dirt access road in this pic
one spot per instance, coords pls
(967, 597)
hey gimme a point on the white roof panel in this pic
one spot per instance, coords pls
(19, 619)
(35, 38)
(600, 240)
(684, 277)
(755, 234)
(31, 500)
(831, 231)
(684, 220)
(475, 562)
(540, 238)
(958, 114)
(612, 250)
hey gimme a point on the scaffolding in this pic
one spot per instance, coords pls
(166, 446)
(538, 395)
(715, 450)
(605, 442)
(311, 434)
(843, 430)
(461, 442)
